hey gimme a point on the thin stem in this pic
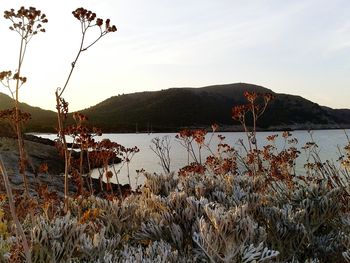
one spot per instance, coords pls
(89, 173)
(73, 65)
(199, 154)
(116, 176)
(84, 49)
(81, 49)
(19, 230)
(66, 158)
(128, 171)
(22, 157)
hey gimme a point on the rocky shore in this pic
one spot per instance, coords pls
(39, 151)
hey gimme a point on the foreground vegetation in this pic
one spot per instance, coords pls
(228, 207)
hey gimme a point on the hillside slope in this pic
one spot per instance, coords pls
(187, 107)
(175, 108)
(41, 120)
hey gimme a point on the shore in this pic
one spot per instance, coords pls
(38, 153)
(42, 151)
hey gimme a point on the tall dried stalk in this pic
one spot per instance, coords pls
(27, 23)
(256, 110)
(87, 21)
(19, 230)
(161, 147)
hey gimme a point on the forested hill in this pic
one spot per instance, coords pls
(41, 120)
(170, 109)
(175, 108)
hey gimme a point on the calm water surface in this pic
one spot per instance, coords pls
(327, 140)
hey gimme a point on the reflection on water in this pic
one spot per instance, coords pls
(329, 142)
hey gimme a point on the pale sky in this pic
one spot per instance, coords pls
(296, 47)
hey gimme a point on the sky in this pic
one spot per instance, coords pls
(295, 47)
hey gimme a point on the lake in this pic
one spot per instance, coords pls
(327, 140)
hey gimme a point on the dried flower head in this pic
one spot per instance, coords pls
(250, 96)
(268, 97)
(17, 77)
(26, 21)
(78, 117)
(239, 111)
(15, 117)
(5, 75)
(84, 15)
(63, 107)
(214, 127)
(87, 18)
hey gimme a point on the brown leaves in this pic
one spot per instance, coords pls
(83, 136)
(272, 137)
(198, 135)
(103, 152)
(62, 107)
(253, 106)
(250, 96)
(220, 166)
(192, 169)
(90, 215)
(15, 117)
(78, 117)
(239, 112)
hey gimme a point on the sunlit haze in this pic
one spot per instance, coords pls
(295, 47)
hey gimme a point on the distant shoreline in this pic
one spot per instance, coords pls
(230, 128)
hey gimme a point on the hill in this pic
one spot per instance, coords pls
(170, 109)
(175, 108)
(41, 120)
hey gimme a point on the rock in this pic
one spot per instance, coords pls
(38, 153)
(43, 151)
(114, 188)
(33, 138)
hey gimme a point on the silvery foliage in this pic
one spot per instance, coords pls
(206, 218)
(346, 255)
(260, 253)
(157, 251)
(303, 221)
(293, 260)
(172, 220)
(226, 189)
(118, 218)
(205, 210)
(64, 239)
(161, 184)
(346, 240)
(231, 236)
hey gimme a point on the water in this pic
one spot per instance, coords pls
(327, 140)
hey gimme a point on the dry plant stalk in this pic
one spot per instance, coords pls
(87, 21)
(256, 110)
(27, 22)
(19, 229)
(161, 147)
